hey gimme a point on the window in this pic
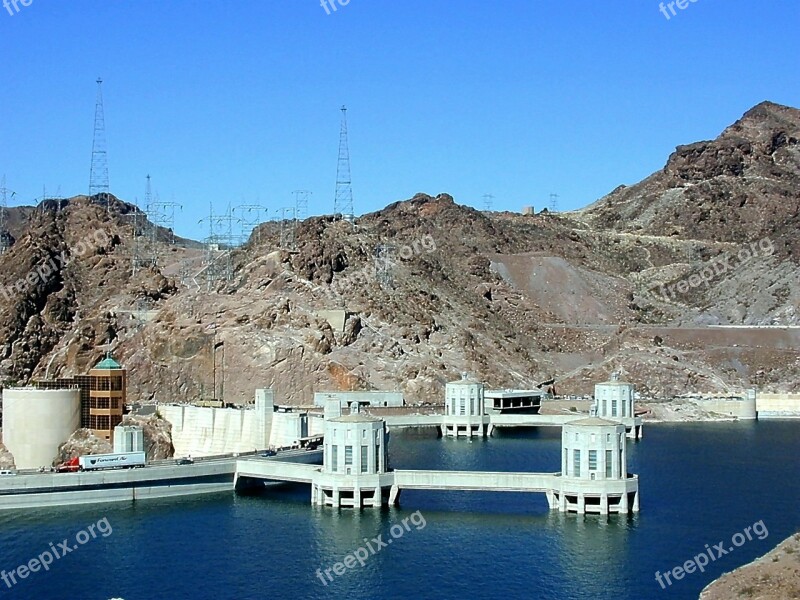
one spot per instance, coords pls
(592, 438)
(462, 409)
(609, 458)
(334, 458)
(623, 407)
(566, 461)
(622, 469)
(364, 458)
(593, 460)
(348, 455)
(608, 438)
(379, 458)
(576, 463)
(613, 408)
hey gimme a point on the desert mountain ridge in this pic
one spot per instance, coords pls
(647, 281)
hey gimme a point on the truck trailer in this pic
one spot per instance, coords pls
(125, 460)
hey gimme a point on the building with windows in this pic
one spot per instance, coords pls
(107, 386)
(102, 394)
(613, 399)
(355, 462)
(594, 476)
(464, 408)
(513, 401)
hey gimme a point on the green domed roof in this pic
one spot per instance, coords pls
(108, 363)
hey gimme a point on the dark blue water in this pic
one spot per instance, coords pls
(700, 484)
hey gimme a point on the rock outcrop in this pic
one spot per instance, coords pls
(6, 458)
(81, 443)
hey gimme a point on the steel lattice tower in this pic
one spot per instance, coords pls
(384, 256)
(98, 175)
(249, 220)
(554, 202)
(488, 201)
(301, 204)
(4, 235)
(288, 228)
(343, 201)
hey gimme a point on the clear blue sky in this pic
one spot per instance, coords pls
(238, 101)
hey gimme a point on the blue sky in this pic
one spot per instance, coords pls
(238, 102)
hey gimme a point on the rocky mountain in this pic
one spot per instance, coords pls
(410, 296)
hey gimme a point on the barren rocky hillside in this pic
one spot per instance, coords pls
(632, 283)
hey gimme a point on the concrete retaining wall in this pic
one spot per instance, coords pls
(778, 405)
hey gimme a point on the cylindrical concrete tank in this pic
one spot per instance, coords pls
(36, 422)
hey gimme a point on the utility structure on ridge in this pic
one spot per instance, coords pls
(5, 236)
(288, 225)
(301, 204)
(488, 201)
(218, 263)
(249, 219)
(385, 256)
(554, 202)
(98, 174)
(343, 200)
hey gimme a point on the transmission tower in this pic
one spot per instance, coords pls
(98, 175)
(137, 260)
(554, 202)
(142, 245)
(249, 220)
(301, 204)
(161, 216)
(384, 265)
(5, 236)
(288, 228)
(218, 264)
(343, 201)
(488, 200)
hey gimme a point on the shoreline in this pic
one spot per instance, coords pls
(774, 575)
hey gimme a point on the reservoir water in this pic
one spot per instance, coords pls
(700, 484)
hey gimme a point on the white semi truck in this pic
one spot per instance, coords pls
(125, 460)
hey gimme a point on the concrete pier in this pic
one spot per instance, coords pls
(593, 478)
(633, 425)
